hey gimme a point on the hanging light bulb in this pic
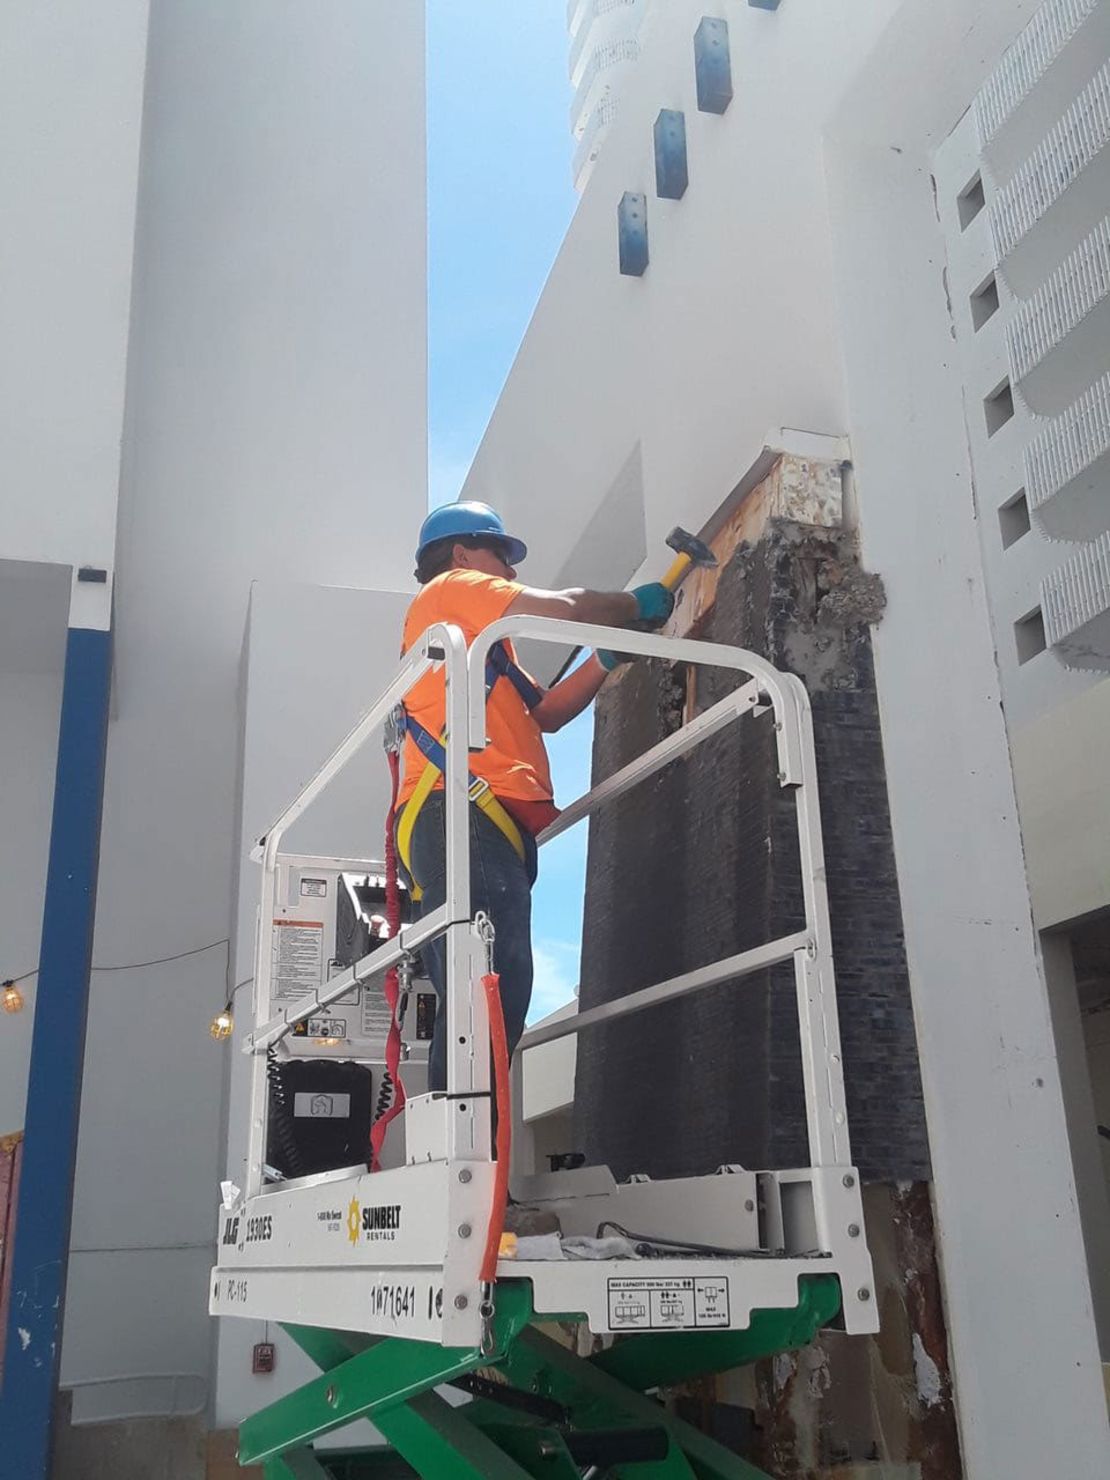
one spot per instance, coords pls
(11, 998)
(222, 1024)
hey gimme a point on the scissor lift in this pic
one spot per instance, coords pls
(378, 1275)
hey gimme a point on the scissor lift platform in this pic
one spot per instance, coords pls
(738, 1265)
(389, 1253)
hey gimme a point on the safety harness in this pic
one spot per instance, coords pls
(499, 664)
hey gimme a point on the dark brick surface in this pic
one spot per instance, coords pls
(701, 862)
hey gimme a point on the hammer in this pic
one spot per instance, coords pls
(690, 552)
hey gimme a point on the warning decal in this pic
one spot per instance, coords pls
(376, 1013)
(297, 960)
(660, 1303)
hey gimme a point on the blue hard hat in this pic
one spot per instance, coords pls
(450, 521)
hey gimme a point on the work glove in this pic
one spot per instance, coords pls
(609, 660)
(654, 605)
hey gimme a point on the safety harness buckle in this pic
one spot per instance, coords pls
(395, 729)
(478, 788)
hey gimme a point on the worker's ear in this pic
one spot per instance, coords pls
(461, 558)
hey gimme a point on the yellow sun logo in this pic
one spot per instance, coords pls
(354, 1220)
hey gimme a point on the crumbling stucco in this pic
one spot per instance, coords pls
(702, 862)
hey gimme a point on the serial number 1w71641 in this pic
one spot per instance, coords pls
(393, 1302)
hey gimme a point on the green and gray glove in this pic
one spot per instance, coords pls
(654, 604)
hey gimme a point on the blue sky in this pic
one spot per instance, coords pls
(499, 202)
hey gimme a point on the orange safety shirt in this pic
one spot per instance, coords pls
(515, 761)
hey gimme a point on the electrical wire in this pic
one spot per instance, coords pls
(138, 965)
(652, 1243)
(283, 1118)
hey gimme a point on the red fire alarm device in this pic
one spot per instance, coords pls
(263, 1357)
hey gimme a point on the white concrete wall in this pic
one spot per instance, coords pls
(275, 428)
(1062, 772)
(801, 282)
(732, 330)
(1005, 1195)
(342, 645)
(71, 95)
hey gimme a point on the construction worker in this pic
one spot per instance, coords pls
(466, 564)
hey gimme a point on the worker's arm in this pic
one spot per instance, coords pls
(651, 604)
(570, 696)
(648, 605)
(601, 608)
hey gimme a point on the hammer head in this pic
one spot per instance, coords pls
(684, 543)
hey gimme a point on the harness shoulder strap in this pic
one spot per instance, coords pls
(500, 665)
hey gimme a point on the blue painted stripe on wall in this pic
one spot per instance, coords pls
(40, 1258)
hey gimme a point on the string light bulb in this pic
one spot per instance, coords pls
(222, 1024)
(11, 998)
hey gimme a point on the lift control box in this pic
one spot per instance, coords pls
(327, 917)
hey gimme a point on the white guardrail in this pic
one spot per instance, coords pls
(769, 695)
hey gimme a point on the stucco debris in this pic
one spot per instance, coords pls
(930, 1388)
(856, 596)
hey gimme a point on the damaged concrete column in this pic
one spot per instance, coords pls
(702, 862)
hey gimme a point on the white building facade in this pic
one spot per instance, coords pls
(889, 226)
(212, 319)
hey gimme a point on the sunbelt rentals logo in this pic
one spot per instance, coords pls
(354, 1220)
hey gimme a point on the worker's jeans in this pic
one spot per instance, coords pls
(501, 885)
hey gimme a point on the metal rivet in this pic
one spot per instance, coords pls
(749, 1206)
(849, 1180)
(853, 1230)
(864, 1293)
(331, 1397)
(465, 1175)
(461, 1302)
(464, 1230)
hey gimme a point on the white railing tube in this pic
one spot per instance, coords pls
(419, 660)
(465, 714)
(729, 968)
(644, 645)
(720, 715)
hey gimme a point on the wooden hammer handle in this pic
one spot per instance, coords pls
(677, 572)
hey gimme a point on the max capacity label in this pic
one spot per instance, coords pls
(659, 1303)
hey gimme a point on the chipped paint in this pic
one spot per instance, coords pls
(803, 490)
(930, 1388)
(875, 1407)
(24, 1337)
